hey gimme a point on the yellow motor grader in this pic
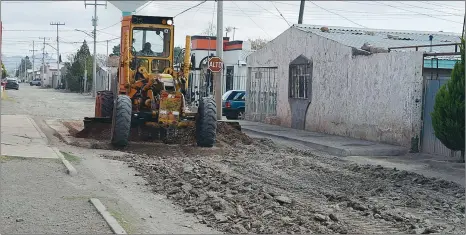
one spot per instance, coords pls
(148, 93)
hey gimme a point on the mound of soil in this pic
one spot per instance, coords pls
(227, 134)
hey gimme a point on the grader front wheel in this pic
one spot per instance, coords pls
(206, 123)
(121, 123)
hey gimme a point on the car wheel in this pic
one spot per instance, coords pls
(240, 115)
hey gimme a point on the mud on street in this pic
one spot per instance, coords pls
(254, 185)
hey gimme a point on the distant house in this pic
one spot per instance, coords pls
(234, 60)
(344, 81)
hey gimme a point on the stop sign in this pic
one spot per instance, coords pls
(215, 64)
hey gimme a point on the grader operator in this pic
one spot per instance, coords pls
(148, 93)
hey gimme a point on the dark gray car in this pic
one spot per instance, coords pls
(12, 83)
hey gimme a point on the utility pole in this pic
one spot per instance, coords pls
(301, 12)
(58, 54)
(234, 30)
(43, 65)
(33, 61)
(219, 80)
(94, 23)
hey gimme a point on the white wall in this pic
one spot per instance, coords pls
(368, 97)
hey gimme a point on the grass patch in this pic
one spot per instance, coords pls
(70, 157)
(125, 224)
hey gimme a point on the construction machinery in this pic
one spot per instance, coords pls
(148, 94)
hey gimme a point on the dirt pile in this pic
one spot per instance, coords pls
(227, 134)
(259, 187)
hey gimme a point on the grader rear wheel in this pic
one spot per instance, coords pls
(106, 103)
(121, 123)
(206, 123)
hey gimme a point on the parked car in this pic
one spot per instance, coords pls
(35, 82)
(12, 83)
(233, 104)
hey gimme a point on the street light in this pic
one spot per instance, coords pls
(82, 31)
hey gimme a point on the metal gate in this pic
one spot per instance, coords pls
(261, 93)
(430, 143)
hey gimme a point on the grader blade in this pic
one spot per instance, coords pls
(94, 125)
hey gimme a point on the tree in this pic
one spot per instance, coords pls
(116, 50)
(178, 55)
(257, 43)
(25, 63)
(448, 114)
(82, 60)
(211, 30)
(4, 72)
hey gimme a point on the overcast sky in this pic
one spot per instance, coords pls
(26, 21)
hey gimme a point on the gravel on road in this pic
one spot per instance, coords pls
(258, 186)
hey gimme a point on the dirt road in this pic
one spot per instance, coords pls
(259, 186)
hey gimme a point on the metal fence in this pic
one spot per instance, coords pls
(261, 90)
(201, 84)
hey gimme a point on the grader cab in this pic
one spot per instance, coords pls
(148, 94)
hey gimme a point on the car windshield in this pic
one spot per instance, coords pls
(151, 42)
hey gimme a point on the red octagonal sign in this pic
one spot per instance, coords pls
(215, 64)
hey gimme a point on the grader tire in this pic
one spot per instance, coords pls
(106, 105)
(206, 123)
(122, 121)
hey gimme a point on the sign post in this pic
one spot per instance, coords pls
(216, 66)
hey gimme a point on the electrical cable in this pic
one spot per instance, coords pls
(443, 5)
(280, 13)
(337, 14)
(190, 8)
(449, 13)
(251, 19)
(419, 13)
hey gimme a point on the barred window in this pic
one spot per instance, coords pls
(300, 78)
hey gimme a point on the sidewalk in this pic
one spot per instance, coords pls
(36, 194)
(336, 145)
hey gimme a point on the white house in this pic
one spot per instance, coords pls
(343, 81)
(234, 60)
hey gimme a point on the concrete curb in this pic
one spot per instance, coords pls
(70, 168)
(62, 133)
(336, 150)
(37, 127)
(111, 221)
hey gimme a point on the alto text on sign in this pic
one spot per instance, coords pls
(215, 64)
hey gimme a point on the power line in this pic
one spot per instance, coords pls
(280, 13)
(190, 8)
(449, 13)
(443, 5)
(419, 13)
(337, 14)
(251, 19)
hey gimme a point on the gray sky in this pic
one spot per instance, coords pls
(25, 21)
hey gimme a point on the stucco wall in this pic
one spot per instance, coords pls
(369, 97)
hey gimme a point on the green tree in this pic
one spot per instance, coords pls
(448, 114)
(116, 50)
(4, 72)
(177, 55)
(24, 62)
(81, 61)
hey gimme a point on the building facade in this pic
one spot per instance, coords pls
(341, 81)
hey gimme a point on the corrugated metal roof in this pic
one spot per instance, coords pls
(356, 37)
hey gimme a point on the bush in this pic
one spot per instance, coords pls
(448, 114)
